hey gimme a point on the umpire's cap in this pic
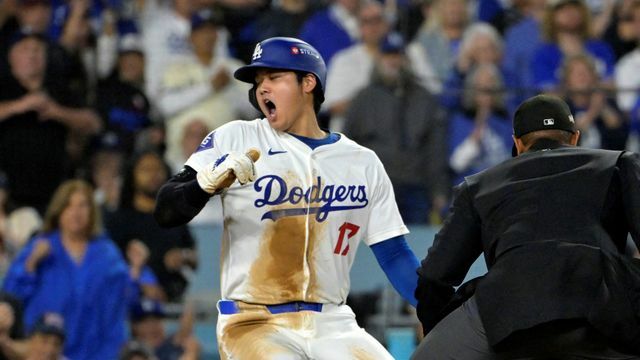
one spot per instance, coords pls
(542, 112)
(284, 53)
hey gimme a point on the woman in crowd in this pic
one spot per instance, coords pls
(72, 269)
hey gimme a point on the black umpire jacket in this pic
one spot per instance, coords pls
(552, 224)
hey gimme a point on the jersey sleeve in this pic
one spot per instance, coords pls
(231, 136)
(384, 220)
(209, 150)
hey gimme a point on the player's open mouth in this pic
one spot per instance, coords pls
(271, 108)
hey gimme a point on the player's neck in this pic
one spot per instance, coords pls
(307, 126)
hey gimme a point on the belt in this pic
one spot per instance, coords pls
(229, 307)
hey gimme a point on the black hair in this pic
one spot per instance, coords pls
(560, 136)
(128, 182)
(318, 94)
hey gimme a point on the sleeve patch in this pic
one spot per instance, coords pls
(207, 142)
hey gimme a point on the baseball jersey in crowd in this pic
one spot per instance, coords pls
(292, 234)
(89, 295)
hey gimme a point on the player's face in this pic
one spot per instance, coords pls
(280, 96)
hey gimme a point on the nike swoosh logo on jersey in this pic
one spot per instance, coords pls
(276, 152)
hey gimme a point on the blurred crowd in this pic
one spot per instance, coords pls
(102, 100)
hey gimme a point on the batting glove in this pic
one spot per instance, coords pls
(221, 173)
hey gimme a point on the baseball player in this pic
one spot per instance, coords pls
(293, 219)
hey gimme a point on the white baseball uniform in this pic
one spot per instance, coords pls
(292, 235)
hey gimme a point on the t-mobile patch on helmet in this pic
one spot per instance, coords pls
(207, 143)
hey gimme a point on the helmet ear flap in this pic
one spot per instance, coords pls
(253, 99)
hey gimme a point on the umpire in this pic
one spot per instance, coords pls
(552, 224)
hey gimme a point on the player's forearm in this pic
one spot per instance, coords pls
(399, 264)
(180, 200)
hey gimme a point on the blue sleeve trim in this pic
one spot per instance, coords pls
(399, 263)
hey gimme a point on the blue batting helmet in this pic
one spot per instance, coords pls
(284, 53)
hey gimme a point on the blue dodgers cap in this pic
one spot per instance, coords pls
(205, 17)
(393, 43)
(284, 53)
(23, 35)
(50, 324)
(146, 308)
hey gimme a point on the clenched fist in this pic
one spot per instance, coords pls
(221, 173)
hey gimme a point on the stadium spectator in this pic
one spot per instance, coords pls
(332, 29)
(134, 350)
(144, 283)
(38, 112)
(403, 123)
(567, 30)
(121, 101)
(283, 18)
(480, 134)
(32, 16)
(17, 225)
(47, 338)
(192, 134)
(72, 269)
(200, 84)
(147, 328)
(520, 41)
(620, 32)
(165, 35)
(601, 124)
(481, 44)
(441, 33)
(171, 251)
(351, 68)
(628, 77)
(12, 343)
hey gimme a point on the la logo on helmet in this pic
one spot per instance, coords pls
(257, 53)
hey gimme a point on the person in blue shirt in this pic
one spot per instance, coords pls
(520, 43)
(72, 269)
(566, 31)
(332, 29)
(480, 135)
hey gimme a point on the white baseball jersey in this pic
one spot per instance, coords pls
(292, 234)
